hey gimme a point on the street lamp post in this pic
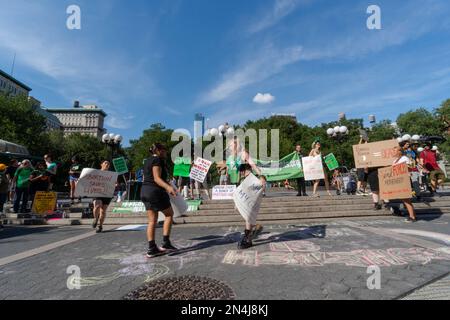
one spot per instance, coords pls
(339, 134)
(113, 141)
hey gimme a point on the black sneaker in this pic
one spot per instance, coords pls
(377, 207)
(94, 224)
(257, 231)
(99, 229)
(410, 220)
(168, 247)
(155, 252)
(245, 243)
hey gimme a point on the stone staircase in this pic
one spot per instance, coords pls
(276, 209)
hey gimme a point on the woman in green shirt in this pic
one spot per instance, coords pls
(22, 180)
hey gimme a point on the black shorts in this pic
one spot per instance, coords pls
(155, 198)
(362, 175)
(105, 201)
(373, 180)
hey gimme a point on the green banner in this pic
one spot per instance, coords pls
(290, 167)
(182, 167)
(331, 162)
(193, 205)
(120, 165)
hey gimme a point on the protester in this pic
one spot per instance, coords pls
(429, 162)
(401, 158)
(52, 168)
(372, 178)
(155, 196)
(10, 172)
(101, 204)
(22, 181)
(223, 172)
(38, 181)
(301, 184)
(245, 169)
(410, 151)
(315, 152)
(362, 174)
(4, 184)
(74, 175)
(337, 181)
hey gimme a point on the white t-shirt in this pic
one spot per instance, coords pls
(403, 159)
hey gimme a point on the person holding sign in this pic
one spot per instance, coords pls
(251, 228)
(315, 152)
(155, 196)
(22, 180)
(401, 158)
(301, 184)
(101, 204)
(74, 175)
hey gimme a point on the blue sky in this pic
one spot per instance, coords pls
(163, 61)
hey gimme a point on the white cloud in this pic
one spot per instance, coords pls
(267, 62)
(117, 121)
(263, 98)
(280, 9)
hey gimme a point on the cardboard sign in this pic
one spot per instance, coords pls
(313, 168)
(375, 154)
(96, 184)
(44, 202)
(395, 182)
(331, 162)
(248, 197)
(223, 192)
(200, 169)
(120, 165)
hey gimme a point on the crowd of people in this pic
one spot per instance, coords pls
(20, 181)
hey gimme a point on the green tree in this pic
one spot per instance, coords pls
(21, 124)
(382, 131)
(419, 121)
(139, 149)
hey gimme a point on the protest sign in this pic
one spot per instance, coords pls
(331, 162)
(223, 192)
(96, 184)
(193, 205)
(375, 154)
(182, 167)
(290, 167)
(44, 202)
(248, 197)
(395, 182)
(313, 168)
(120, 165)
(200, 169)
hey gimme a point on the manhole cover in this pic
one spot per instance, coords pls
(183, 288)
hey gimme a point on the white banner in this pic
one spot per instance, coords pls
(247, 198)
(96, 184)
(223, 192)
(200, 169)
(313, 168)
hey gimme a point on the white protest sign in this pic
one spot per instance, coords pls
(223, 192)
(313, 168)
(96, 184)
(247, 198)
(200, 169)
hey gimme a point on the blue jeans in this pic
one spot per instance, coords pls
(21, 194)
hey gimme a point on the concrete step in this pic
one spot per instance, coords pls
(237, 220)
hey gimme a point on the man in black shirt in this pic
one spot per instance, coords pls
(301, 185)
